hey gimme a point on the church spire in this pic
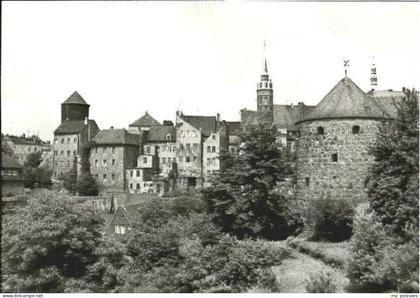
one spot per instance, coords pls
(265, 70)
(265, 90)
(373, 76)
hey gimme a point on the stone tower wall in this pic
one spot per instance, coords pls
(74, 112)
(318, 175)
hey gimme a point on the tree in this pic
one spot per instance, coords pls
(243, 200)
(86, 185)
(6, 148)
(393, 187)
(34, 174)
(49, 243)
(70, 180)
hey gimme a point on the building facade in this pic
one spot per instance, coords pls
(72, 134)
(113, 152)
(12, 181)
(22, 146)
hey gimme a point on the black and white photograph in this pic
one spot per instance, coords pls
(209, 147)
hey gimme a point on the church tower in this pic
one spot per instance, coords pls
(74, 108)
(373, 76)
(265, 92)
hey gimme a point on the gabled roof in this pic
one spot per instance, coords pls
(207, 124)
(346, 100)
(285, 116)
(159, 133)
(145, 121)
(73, 126)
(25, 140)
(9, 163)
(75, 98)
(116, 137)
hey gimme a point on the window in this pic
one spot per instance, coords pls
(195, 146)
(119, 229)
(96, 162)
(113, 162)
(181, 159)
(68, 140)
(113, 149)
(55, 164)
(320, 130)
(144, 159)
(187, 159)
(307, 181)
(181, 146)
(55, 152)
(232, 149)
(213, 137)
(131, 185)
(96, 150)
(213, 149)
(104, 176)
(131, 173)
(104, 150)
(355, 129)
(163, 160)
(29, 149)
(164, 148)
(208, 149)
(208, 161)
(55, 142)
(169, 148)
(334, 157)
(168, 137)
(174, 148)
(148, 149)
(187, 146)
(96, 176)
(214, 161)
(208, 172)
(195, 158)
(62, 140)
(104, 162)
(74, 152)
(138, 186)
(137, 173)
(75, 140)
(35, 148)
(68, 152)
(62, 152)
(112, 177)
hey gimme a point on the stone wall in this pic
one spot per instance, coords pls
(318, 175)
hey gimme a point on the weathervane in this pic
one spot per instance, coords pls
(346, 65)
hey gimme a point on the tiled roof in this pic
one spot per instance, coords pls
(159, 133)
(73, 126)
(116, 136)
(207, 124)
(285, 116)
(346, 100)
(145, 121)
(75, 98)
(9, 163)
(25, 141)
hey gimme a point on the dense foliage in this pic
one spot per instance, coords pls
(70, 180)
(393, 181)
(385, 245)
(86, 185)
(332, 219)
(34, 174)
(48, 244)
(6, 148)
(244, 199)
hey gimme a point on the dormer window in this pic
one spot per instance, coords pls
(168, 137)
(355, 129)
(320, 130)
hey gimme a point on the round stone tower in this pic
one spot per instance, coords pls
(74, 108)
(332, 154)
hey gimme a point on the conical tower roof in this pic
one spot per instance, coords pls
(145, 121)
(75, 98)
(346, 100)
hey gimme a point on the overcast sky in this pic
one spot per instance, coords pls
(200, 57)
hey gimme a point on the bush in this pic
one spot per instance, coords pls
(86, 185)
(70, 180)
(332, 220)
(322, 282)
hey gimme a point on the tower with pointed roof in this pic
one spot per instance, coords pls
(373, 76)
(333, 157)
(74, 108)
(265, 92)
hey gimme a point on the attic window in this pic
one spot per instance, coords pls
(355, 129)
(168, 137)
(334, 157)
(320, 130)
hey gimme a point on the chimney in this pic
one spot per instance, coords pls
(217, 117)
(112, 127)
(23, 135)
